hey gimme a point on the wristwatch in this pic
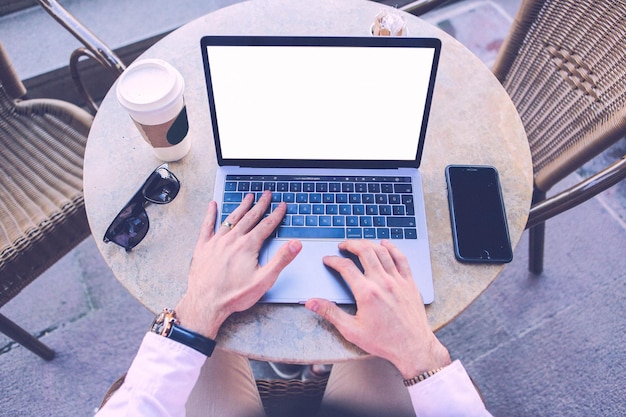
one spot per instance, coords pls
(166, 324)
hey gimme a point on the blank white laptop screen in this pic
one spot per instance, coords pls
(294, 102)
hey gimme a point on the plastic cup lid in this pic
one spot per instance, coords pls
(150, 86)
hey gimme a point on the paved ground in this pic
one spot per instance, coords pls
(552, 345)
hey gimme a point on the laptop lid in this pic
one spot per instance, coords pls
(324, 102)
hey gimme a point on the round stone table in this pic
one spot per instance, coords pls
(472, 121)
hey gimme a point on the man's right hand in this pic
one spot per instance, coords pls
(390, 321)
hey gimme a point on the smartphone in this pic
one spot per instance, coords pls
(479, 227)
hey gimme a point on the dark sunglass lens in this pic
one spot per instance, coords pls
(129, 227)
(162, 186)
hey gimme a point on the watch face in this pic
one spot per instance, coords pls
(162, 324)
(157, 324)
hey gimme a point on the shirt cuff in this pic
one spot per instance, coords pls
(164, 370)
(450, 392)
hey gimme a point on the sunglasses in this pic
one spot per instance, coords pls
(131, 224)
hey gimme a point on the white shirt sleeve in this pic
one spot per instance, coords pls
(164, 372)
(159, 380)
(448, 393)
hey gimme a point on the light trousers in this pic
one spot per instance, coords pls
(362, 388)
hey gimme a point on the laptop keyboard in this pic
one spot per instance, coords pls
(332, 207)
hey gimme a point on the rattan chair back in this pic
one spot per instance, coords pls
(564, 66)
(42, 213)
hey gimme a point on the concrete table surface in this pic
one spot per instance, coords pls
(472, 121)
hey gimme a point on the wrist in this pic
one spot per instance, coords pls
(166, 324)
(204, 321)
(434, 357)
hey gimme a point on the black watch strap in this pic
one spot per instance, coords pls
(166, 324)
(194, 340)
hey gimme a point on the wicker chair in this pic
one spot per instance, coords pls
(42, 213)
(564, 66)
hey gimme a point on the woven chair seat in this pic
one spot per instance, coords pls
(291, 397)
(42, 212)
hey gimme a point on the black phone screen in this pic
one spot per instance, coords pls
(479, 227)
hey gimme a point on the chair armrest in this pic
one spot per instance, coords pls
(75, 57)
(99, 50)
(94, 47)
(74, 116)
(420, 7)
(565, 200)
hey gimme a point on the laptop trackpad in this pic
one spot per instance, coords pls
(306, 276)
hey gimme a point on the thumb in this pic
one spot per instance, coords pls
(283, 257)
(330, 312)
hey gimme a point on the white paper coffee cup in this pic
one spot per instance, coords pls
(152, 91)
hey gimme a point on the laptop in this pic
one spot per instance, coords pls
(334, 127)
